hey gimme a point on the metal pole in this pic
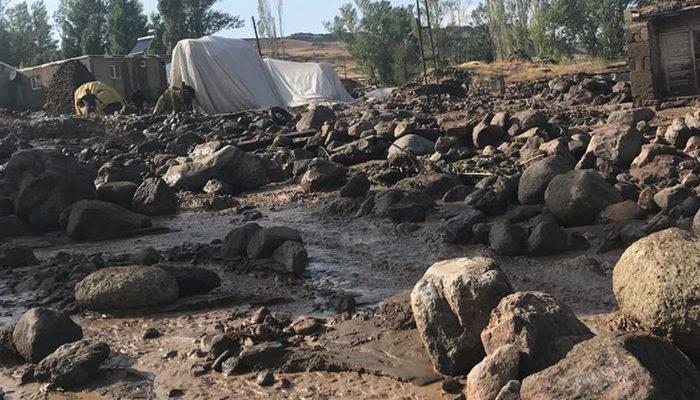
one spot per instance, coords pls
(420, 43)
(257, 38)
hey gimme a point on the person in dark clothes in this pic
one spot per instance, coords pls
(188, 96)
(90, 100)
(138, 98)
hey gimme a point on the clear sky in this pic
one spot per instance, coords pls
(299, 15)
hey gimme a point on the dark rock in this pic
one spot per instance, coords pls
(95, 220)
(16, 256)
(265, 241)
(293, 256)
(458, 194)
(264, 379)
(236, 242)
(459, 229)
(547, 238)
(120, 193)
(507, 239)
(145, 256)
(357, 186)
(487, 201)
(322, 175)
(537, 176)
(193, 281)
(258, 357)
(40, 331)
(154, 197)
(577, 197)
(73, 364)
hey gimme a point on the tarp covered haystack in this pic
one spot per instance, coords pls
(109, 100)
(229, 75)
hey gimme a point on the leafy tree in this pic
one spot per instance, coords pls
(28, 35)
(478, 43)
(81, 24)
(183, 19)
(45, 46)
(125, 24)
(4, 36)
(156, 25)
(380, 37)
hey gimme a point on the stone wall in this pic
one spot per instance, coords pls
(641, 38)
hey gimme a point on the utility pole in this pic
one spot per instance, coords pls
(257, 38)
(429, 28)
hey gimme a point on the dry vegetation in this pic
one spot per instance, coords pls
(333, 53)
(525, 71)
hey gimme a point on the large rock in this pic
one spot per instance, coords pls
(192, 281)
(616, 144)
(73, 364)
(617, 367)
(95, 220)
(577, 197)
(230, 164)
(154, 197)
(657, 286)
(46, 183)
(631, 117)
(236, 241)
(124, 288)
(459, 229)
(536, 178)
(487, 378)
(487, 135)
(315, 118)
(412, 144)
(265, 241)
(40, 331)
(121, 193)
(451, 305)
(322, 174)
(541, 328)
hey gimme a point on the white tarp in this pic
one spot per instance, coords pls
(229, 75)
(304, 83)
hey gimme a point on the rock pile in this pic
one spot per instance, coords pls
(60, 89)
(277, 248)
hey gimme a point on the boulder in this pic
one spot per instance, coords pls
(73, 364)
(451, 304)
(671, 197)
(540, 327)
(40, 331)
(230, 164)
(631, 117)
(487, 135)
(529, 119)
(125, 288)
(293, 256)
(536, 178)
(357, 186)
(617, 367)
(145, 256)
(154, 197)
(46, 183)
(487, 378)
(120, 193)
(265, 241)
(412, 207)
(16, 256)
(657, 286)
(547, 238)
(488, 201)
(315, 118)
(255, 358)
(192, 281)
(459, 228)
(621, 212)
(457, 194)
(577, 197)
(322, 174)
(507, 239)
(96, 220)
(678, 134)
(411, 144)
(618, 145)
(236, 241)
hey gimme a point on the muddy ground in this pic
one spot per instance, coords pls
(374, 260)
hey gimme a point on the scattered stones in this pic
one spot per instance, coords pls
(657, 286)
(125, 288)
(40, 331)
(451, 305)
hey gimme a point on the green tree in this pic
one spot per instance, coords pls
(183, 19)
(125, 24)
(45, 46)
(380, 37)
(4, 36)
(81, 24)
(478, 43)
(19, 22)
(155, 24)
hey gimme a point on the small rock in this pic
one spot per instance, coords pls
(265, 378)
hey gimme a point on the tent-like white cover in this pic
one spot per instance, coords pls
(304, 83)
(229, 75)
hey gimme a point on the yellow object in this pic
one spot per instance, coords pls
(108, 97)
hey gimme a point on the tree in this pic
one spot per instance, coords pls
(19, 21)
(155, 24)
(267, 27)
(280, 12)
(125, 24)
(27, 35)
(183, 19)
(380, 37)
(45, 46)
(4, 36)
(81, 24)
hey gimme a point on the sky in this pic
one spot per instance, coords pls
(299, 15)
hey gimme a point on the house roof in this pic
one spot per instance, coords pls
(665, 8)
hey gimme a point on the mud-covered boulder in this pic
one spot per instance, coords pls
(236, 241)
(657, 285)
(40, 331)
(47, 182)
(617, 367)
(154, 197)
(72, 365)
(292, 256)
(230, 164)
(125, 288)
(537, 176)
(95, 220)
(451, 304)
(540, 327)
(322, 174)
(265, 241)
(577, 197)
(192, 281)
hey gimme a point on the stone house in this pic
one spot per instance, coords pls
(7, 74)
(124, 73)
(663, 50)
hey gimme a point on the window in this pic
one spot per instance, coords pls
(115, 72)
(36, 82)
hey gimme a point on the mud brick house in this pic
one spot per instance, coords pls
(7, 74)
(663, 49)
(124, 73)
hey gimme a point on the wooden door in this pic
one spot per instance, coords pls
(679, 63)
